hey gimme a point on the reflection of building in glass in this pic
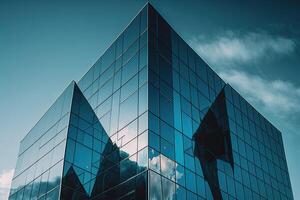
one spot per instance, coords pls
(151, 120)
(212, 142)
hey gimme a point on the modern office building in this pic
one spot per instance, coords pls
(151, 120)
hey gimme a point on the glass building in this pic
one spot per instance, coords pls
(151, 120)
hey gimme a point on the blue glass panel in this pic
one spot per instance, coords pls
(115, 112)
(183, 50)
(154, 140)
(154, 160)
(179, 148)
(128, 132)
(177, 111)
(143, 57)
(191, 196)
(105, 91)
(131, 33)
(143, 140)
(201, 186)
(187, 125)
(129, 88)
(83, 157)
(128, 110)
(184, 88)
(153, 100)
(131, 51)
(144, 20)
(184, 71)
(167, 149)
(180, 193)
(155, 189)
(189, 162)
(143, 76)
(108, 74)
(117, 80)
(168, 188)
(166, 132)
(70, 150)
(166, 109)
(165, 71)
(130, 69)
(142, 160)
(190, 180)
(55, 176)
(143, 122)
(180, 175)
(144, 40)
(143, 99)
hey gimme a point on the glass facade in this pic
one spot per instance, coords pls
(151, 120)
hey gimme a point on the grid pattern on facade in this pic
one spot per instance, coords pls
(40, 160)
(149, 96)
(259, 170)
(117, 89)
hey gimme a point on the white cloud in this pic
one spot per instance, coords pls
(234, 48)
(168, 168)
(229, 51)
(5, 181)
(276, 96)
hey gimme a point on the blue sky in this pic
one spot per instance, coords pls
(44, 45)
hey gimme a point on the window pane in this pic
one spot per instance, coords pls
(142, 159)
(166, 109)
(154, 160)
(131, 51)
(128, 133)
(55, 176)
(180, 193)
(177, 111)
(179, 148)
(83, 157)
(168, 167)
(105, 91)
(153, 100)
(128, 110)
(143, 140)
(130, 69)
(167, 149)
(168, 188)
(143, 99)
(144, 20)
(155, 186)
(167, 132)
(129, 88)
(190, 180)
(180, 177)
(131, 33)
(143, 56)
(154, 140)
(187, 125)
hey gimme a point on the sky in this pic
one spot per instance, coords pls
(44, 45)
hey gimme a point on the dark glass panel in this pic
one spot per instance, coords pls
(131, 33)
(130, 69)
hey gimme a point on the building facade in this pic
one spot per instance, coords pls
(151, 120)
